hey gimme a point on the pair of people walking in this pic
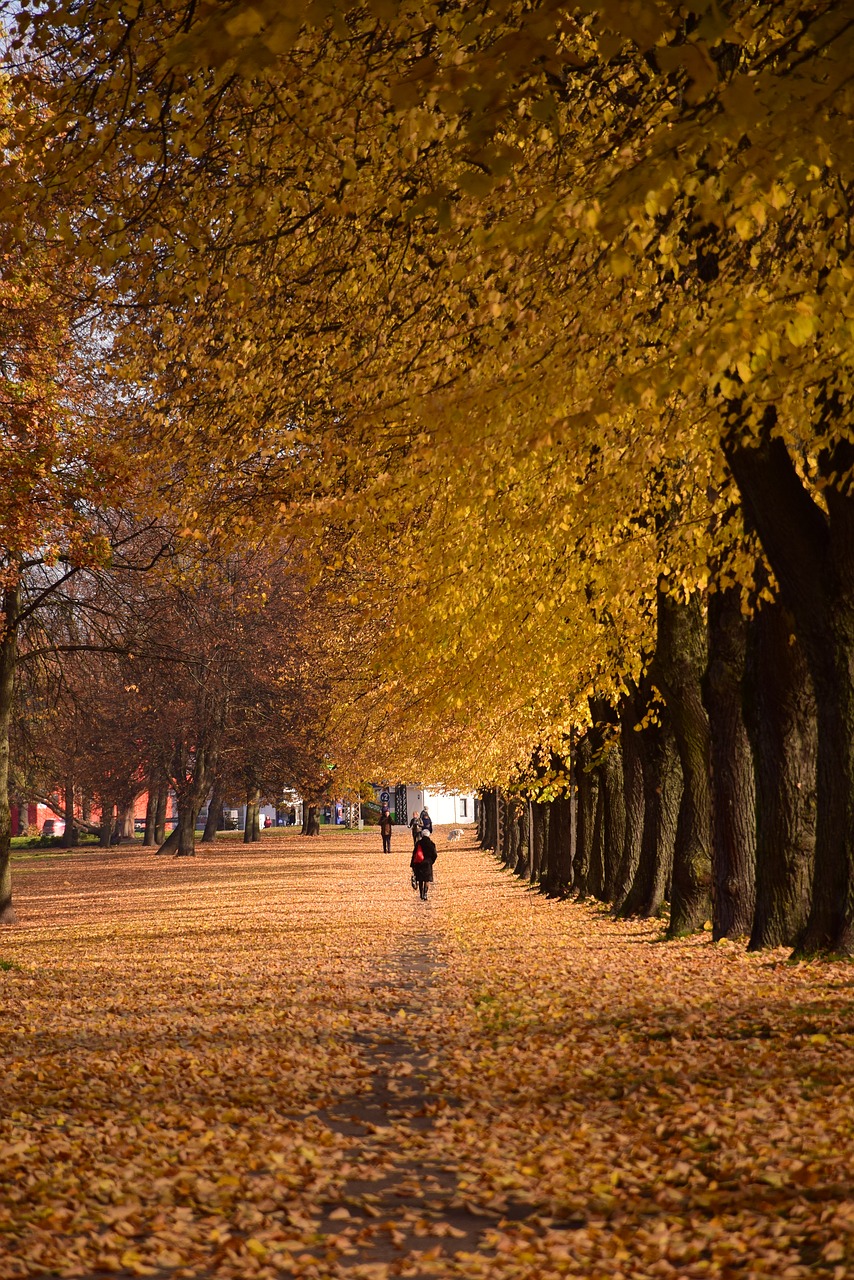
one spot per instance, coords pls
(420, 822)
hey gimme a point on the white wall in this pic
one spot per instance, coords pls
(445, 807)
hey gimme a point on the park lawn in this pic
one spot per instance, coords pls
(557, 1093)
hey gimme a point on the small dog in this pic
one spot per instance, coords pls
(456, 834)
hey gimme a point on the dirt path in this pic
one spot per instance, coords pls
(279, 1061)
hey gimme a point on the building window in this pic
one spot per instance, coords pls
(464, 808)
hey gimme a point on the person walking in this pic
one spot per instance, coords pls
(426, 821)
(415, 828)
(423, 857)
(385, 828)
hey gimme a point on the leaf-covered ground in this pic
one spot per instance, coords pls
(279, 1060)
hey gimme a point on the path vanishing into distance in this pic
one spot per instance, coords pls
(276, 1060)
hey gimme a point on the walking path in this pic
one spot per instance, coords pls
(277, 1060)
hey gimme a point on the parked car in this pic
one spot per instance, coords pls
(53, 827)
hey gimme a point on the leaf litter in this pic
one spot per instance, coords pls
(282, 1062)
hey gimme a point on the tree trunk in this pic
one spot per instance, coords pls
(126, 832)
(811, 552)
(681, 658)
(596, 874)
(107, 823)
(160, 803)
(251, 828)
(541, 833)
(511, 844)
(588, 794)
(523, 858)
(150, 806)
(170, 843)
(631, 713)
(185, 846)
(312, 821)
(781, 721)
(662, 792)
(214, 818)
(8, 659)
(733, 786)
(559, 877)
(69, 835)
(614, 817)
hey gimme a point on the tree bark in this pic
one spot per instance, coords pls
(251, 831)
(8, 662)
(510, 855)
(596, 873)
(523, 859)
(631, 713)
(185, 846)
(559, 875)
(160, 803)
(733, 786)
(107, 823)
(681, 658)
(662, 793)
(312, 821)
(614, 817)
(588, 794)
(781, 721)
(811, 552)
(541, 833)
(126, 823)
(214, 817)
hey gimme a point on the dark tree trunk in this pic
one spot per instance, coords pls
(662, 793)
(8, 660)
(559, 859)
(541, 834)
(781, 720)
(311, 823)
(631, 713)
(588, 794)
(160, 812)
(511, 844)
(107, 824)
(69, 835)
(185, 846)
(252, 825)
(680, 663)
(523, 857)
(614, 817)
(811, 552)
(212, 822)
(170, 843)
(596, 874)
(733, 787)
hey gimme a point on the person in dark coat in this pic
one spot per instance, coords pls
(426, 821)
(385, 828)
(415, 828)
(423, 857)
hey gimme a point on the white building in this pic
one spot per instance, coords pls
(446, 808)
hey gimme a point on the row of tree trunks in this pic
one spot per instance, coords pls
(704, 799)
